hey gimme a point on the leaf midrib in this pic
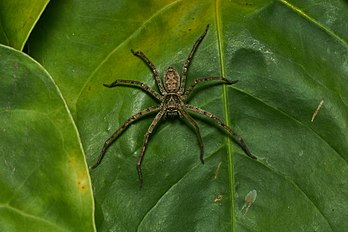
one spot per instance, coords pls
(226, 116)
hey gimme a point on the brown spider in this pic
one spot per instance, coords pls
(172, 99)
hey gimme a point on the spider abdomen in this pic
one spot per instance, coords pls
(171, 80)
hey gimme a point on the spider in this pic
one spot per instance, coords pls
(172, 99)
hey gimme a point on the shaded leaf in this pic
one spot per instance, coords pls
(17, 19)
(43, 178)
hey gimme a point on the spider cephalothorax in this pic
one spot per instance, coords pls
(172, 98)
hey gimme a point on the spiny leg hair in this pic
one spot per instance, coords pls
(192, 122)
(143, 147)
(221, 123)
(197, 81)
(188, 60)
(138, 84)
(115, 135)
(153, 68)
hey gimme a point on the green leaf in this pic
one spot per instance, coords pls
(288, 57)
(17, 19)
(43, 177)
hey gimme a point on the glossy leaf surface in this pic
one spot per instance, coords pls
(288, 56)
(43, 177)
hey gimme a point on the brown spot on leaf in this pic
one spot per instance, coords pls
(218, 198)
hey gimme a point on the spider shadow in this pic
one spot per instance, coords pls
(199, 90)
(215, 125)
(153, 99)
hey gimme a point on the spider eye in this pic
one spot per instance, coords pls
(171, 80)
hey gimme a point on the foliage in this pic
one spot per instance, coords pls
(288, 55)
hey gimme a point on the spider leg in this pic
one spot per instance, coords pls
(229, 129)
(115, 135)
(138, 84)
(197, 81)
(189, 58)
(190, 120)
(142, 56)
(143, 147)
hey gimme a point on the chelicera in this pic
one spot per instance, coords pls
(172, 98)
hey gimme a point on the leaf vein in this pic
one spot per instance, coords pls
(315, 22)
